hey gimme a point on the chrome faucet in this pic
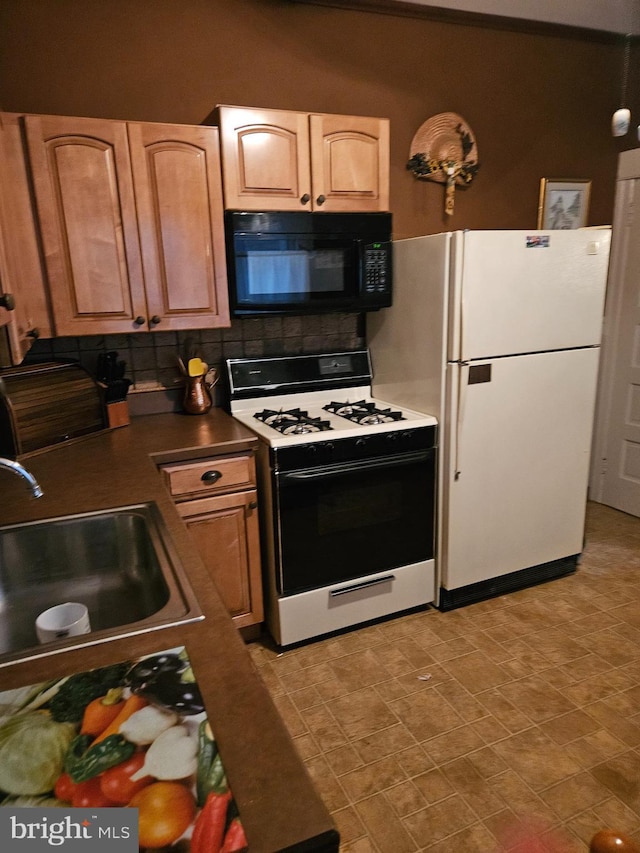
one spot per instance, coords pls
(21, 471)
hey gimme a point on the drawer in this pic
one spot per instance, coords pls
(210, 476)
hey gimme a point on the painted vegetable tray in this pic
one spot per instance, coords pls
(130, 734)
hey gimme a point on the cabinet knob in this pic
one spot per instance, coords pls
(305, 199)
(211, 476)
(320, 200)
(139, 321)
(7, 301)
(155, 320)
(253, 504)
(33, 333)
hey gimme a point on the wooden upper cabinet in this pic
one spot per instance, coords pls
(87, 214)
(7, 303)
(349, 163)
(178, 190)
(131, 224)
(281, 160)
(20, 264)
(265, 159)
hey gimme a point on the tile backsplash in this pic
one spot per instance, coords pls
(151, 357)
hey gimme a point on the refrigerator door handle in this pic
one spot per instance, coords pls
(463, 381)
(461, 346)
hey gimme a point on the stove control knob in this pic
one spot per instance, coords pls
(361, 442)
(330, 446)
(392, 437)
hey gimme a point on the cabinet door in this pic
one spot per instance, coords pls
(225, 530)
(87, 215)
(350, 163)
(6, 298)
(22, 271)
(265, 159)
(178, 189)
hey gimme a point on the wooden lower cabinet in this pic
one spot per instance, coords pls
(225, 530)
(218, 500)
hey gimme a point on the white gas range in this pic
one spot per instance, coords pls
(347, 492)
(290, 419)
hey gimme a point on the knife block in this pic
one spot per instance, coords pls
(117, 414)
(117, 411)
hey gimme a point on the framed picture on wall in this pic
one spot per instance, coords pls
(563, 203)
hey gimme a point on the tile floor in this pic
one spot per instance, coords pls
(445, 731)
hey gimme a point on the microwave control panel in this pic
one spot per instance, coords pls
(376, 267)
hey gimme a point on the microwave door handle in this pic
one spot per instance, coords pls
(360, 258)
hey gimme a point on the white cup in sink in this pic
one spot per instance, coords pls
(63, 620)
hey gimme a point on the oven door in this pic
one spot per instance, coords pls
(344, 521)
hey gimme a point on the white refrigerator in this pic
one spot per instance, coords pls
(497, 333)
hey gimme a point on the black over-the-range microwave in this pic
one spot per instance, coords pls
(308, 263)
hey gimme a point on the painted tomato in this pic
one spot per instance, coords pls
(87, 795)
(116, 782)
(64, 788)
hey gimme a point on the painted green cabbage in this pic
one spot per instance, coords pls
(32, 752)
(28, 802)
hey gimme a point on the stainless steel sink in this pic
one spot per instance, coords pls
(119, 562)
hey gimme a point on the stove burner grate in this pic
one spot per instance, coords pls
(292, 421)
(363, 412)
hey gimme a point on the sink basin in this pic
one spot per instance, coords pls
(120, 563)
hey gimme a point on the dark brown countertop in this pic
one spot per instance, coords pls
(279, 806)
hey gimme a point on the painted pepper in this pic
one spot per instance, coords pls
(209, 829)
(210, 775)
(235, 841)
(84, 761)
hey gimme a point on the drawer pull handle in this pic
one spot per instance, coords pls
(211, 476)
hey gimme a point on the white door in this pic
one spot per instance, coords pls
(615, 477)
(527, 291)
(517, 465)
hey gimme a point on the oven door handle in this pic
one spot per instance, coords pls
(355, 587)
(328, 471)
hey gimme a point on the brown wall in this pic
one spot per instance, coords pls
(539, 104)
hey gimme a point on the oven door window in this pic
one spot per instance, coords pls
(346, 521)
(285, 271)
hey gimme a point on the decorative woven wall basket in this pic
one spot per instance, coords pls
(444, 150)
(444, 147)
